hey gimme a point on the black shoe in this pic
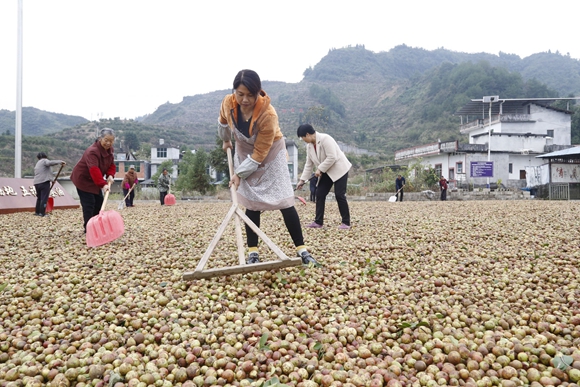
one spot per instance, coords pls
(307, 259)
(253, 258)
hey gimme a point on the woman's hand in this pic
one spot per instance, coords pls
(318, 173)
(235, 181)
(226, 145)
(299, 185)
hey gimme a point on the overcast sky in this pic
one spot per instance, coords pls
(124, 58)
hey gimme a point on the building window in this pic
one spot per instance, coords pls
(116, 166)
(511, 168)
(551, 133)
(459, 167)
(438, 169)
(161, 153)
(451, 174)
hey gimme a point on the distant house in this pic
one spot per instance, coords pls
(123, 162)
(559, 177)
(505, 136)
(162, 152)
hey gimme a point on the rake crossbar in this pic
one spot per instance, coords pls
(242, 269)
(282, 262)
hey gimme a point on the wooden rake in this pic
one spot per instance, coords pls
(242, 267)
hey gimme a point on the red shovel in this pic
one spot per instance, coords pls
(105, 227)
(50, 203)
(169, 198)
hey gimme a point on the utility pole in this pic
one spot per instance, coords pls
(491, 99)
(18, 120)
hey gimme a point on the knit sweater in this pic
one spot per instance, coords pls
(42, 171)
(97, 161)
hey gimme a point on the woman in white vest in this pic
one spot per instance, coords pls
(332, 168)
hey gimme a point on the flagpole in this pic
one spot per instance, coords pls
(18, 126)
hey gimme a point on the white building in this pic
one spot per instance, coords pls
(292, 151)
(163, 152)
(505, 136)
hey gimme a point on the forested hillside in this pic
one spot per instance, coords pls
(390, 100)
(36, 122)
(69, 144)
(375, 101)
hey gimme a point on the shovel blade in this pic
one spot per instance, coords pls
(49, 204)
(393, 199)
(104, 228)
(169, 199)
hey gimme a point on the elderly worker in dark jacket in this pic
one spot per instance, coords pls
(42, 181)
(97, 161)
(163, 185)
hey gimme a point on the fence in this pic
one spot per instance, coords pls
(560, 191)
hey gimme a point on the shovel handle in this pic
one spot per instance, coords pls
(106, 197)
(134, 184)
(56, 177)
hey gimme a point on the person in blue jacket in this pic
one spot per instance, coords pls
(399, 184)
(313, 183)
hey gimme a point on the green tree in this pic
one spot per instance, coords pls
(317, 116)
(144, 152)
(131, 141)
(424, 176)
(218, 159)
(193, 175)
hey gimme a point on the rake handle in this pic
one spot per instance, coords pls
(231, 168)
(237, 223)
(56, 177)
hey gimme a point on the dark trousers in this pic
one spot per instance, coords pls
(313, 194)
(42, 193)
(291, 220)
(444, 194)
(400, 196)
(162, 196)
(129, 200)
(325, 183)
(91, 204)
